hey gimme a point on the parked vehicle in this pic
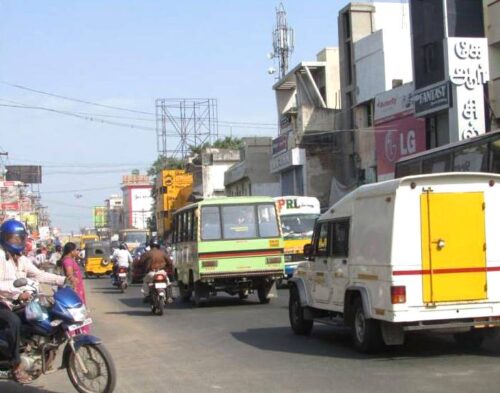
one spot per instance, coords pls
(231, 244)
(50, 324)
(158, 292)
(121, 279)
(411, 254)
(298, 214)
(98, 259)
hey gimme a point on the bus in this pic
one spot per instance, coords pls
(133, 238)
(478, 154)
(228, 244)
(298, 214)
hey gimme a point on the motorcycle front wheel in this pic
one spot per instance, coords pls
(101, 373)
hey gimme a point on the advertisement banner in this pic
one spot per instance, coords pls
(394, 103)
(141, 204)
(100, 217)
(44, 233)
(396, 139)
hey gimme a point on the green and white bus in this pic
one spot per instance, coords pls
(228, 244)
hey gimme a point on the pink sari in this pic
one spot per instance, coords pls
(79, 288)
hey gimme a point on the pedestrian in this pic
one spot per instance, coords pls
(73, 272)
(39, 258)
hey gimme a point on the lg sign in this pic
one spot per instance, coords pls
(396, 147)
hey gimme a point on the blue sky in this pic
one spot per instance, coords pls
(128, 53)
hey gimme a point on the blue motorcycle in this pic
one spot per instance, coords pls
(48, 324)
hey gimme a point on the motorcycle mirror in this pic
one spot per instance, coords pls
(20, 282)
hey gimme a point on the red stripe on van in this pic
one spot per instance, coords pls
(446, 271)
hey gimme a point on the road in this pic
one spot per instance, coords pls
(230, 345)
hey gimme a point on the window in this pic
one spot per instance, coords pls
(268, 225)
(239, 222)
(321, 243)
(340, 238)
(471, 159)
(210, 223)
(495, 156)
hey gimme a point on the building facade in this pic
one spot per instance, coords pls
(251, 175)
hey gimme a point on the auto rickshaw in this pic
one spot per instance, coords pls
(98, 259)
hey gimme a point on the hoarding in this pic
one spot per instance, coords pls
(29, 174)
(100, 216)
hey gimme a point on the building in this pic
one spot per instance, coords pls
(251, 175)
(451, 68)
(307, 100)
(114, 208)
(137, 201)
(492, 31)
(208, 170)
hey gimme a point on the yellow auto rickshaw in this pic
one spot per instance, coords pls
(98, 258)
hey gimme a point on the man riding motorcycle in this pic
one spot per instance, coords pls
(122, 258)
(14, 265)
(155, 261)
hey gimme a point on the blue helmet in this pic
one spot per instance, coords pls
(13, 236)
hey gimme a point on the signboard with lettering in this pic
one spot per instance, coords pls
(394, 103)
(468, 72)
(280, 144)
(432, 98)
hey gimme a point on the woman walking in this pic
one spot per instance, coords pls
(73, 273)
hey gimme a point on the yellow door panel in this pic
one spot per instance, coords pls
(453, 246)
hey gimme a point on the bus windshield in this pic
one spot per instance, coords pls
(135, 237)
(298, 225)
(229, 222)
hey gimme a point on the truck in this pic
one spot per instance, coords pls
(298, 215)
(419, 253)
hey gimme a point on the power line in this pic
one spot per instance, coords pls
(80, 190)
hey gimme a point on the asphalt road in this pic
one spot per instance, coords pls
(230, 345)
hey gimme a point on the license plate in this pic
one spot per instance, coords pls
(160, 285)
(76, 326)
(122, 275)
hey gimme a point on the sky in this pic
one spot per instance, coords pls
(125, 53)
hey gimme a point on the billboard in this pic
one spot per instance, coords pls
(100, 216)
(138, 205)
(30, 174)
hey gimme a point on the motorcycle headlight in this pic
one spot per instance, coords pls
(79, 314)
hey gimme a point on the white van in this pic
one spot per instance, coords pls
(416, 253)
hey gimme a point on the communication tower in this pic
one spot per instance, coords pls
(283, 41)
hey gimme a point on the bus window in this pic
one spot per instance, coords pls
(495, 156)
(268, 225)
(408, 168)
(239, 222)
(471, 159)
(440, 163)
(210, 223)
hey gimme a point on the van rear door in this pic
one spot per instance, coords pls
(453, 246)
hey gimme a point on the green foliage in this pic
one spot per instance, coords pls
(163, 162)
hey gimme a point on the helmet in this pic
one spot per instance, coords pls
(122, 246)
(13, 236)
(154, 243)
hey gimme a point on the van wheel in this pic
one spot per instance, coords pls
(197, 294)
(262, 292)
(296, 314)
(243, 294)
(470, 340)
(366, 334)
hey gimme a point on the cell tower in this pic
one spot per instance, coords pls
(183, 122)
(283, 41)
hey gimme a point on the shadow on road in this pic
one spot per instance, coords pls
(12, 387)
(132, 313)
(336, 342)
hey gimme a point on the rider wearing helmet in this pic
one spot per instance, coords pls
(122, 258)
(14, 265)
(155, 261)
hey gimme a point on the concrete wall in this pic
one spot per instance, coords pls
(331, 55)
(492, 26)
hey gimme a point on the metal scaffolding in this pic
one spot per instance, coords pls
(185, 122)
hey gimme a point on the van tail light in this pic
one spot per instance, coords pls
(123, 270)
(398, 294)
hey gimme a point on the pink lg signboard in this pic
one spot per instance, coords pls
(398, 132)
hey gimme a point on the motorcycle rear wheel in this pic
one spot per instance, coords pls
(101, 372)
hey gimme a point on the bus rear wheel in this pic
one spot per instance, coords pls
(184, 291)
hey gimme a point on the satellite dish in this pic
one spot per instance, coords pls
(271, 70)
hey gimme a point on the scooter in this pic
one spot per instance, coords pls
(121, 280)
(48, 325)
(158, 292)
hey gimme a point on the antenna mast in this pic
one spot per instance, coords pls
(283, 40)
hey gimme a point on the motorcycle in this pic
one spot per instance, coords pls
(158, 292)
(48, 324)
(121, 279)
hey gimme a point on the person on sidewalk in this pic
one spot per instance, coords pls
(14, 265)
(155, 261)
